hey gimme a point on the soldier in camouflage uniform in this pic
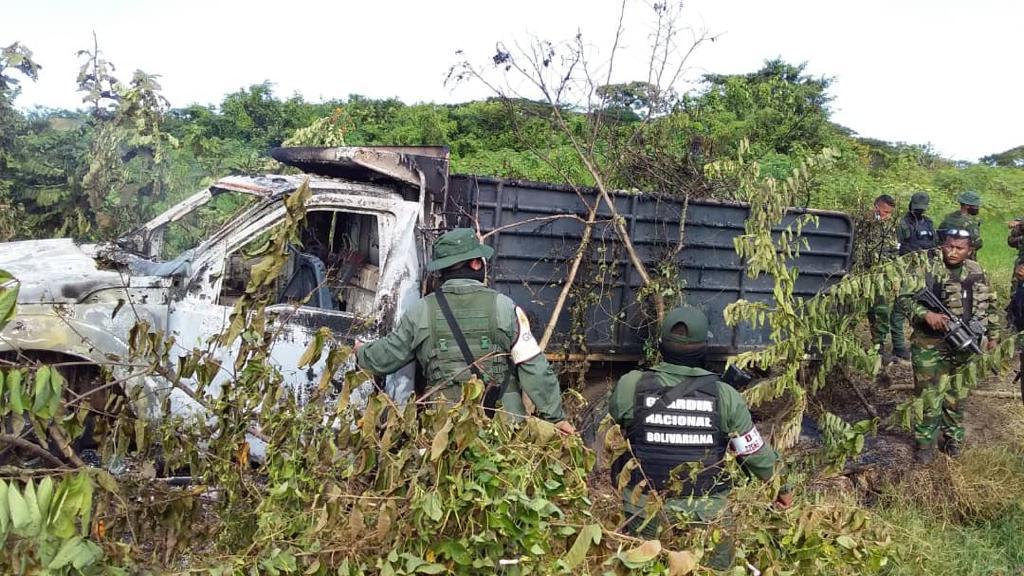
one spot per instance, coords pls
(495, 330)
(965, 290)
(965, 219)
(1016, 240)
(875, 242)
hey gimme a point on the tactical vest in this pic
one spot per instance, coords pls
(957, 293)
(922, 234)
(675, 425)
(477, 316)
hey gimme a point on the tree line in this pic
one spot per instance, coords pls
(97, 171)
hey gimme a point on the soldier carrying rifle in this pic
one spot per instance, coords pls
(950, 317)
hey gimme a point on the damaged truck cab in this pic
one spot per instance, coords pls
(357, 268)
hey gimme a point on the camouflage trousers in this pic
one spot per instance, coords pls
(931, 361)
(885, 320)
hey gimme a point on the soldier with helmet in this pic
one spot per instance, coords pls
(678, 413)
(465, 329)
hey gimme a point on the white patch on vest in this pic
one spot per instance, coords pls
(687, 404)
(525, 347)
(680, 439)
(747, 444)
(680, 420)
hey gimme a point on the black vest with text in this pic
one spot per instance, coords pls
(921, 236)
(673, 426)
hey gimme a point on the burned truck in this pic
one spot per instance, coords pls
(370, 219)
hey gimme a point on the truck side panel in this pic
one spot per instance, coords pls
(531, 260)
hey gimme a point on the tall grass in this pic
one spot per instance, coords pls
(996, 256)
(963, 517)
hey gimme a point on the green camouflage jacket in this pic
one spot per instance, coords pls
(874, 241)
(952, 293)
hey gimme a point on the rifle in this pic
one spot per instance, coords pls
(961, 336)
(737, 377)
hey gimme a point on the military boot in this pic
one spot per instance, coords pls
(951, 447)
(924, 454)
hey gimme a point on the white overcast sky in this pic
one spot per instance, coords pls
(942, 72)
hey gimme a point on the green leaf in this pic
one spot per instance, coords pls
(590, 534)
(43, 392)
(5, 509)
(16, 394)
(846, 542)
(431, 569)
(432, 506)
(20, 517)
(66, 554)
(9, 287)
(86, 554)
(45, 495)
(32, 504)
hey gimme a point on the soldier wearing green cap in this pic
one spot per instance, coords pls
(495, 330)
(965, 220)
(677, 413)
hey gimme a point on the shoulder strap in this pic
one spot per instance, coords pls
(492, 392)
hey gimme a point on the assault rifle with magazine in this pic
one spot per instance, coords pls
(961, 336)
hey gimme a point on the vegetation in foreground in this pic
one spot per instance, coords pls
(444, 492)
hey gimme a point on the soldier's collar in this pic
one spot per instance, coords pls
(461, 284)
(678, 370)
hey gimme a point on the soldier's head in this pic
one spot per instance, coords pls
(970, 202)
(956, 247)
(884, 206)
(919, 203)
(460, 253)
(684, 337)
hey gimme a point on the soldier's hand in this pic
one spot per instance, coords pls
(936, 321)
(1018, 273)
(565, 428)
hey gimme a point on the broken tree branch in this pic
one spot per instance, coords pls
(574, 268)
(9, 440)
(65, 446)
